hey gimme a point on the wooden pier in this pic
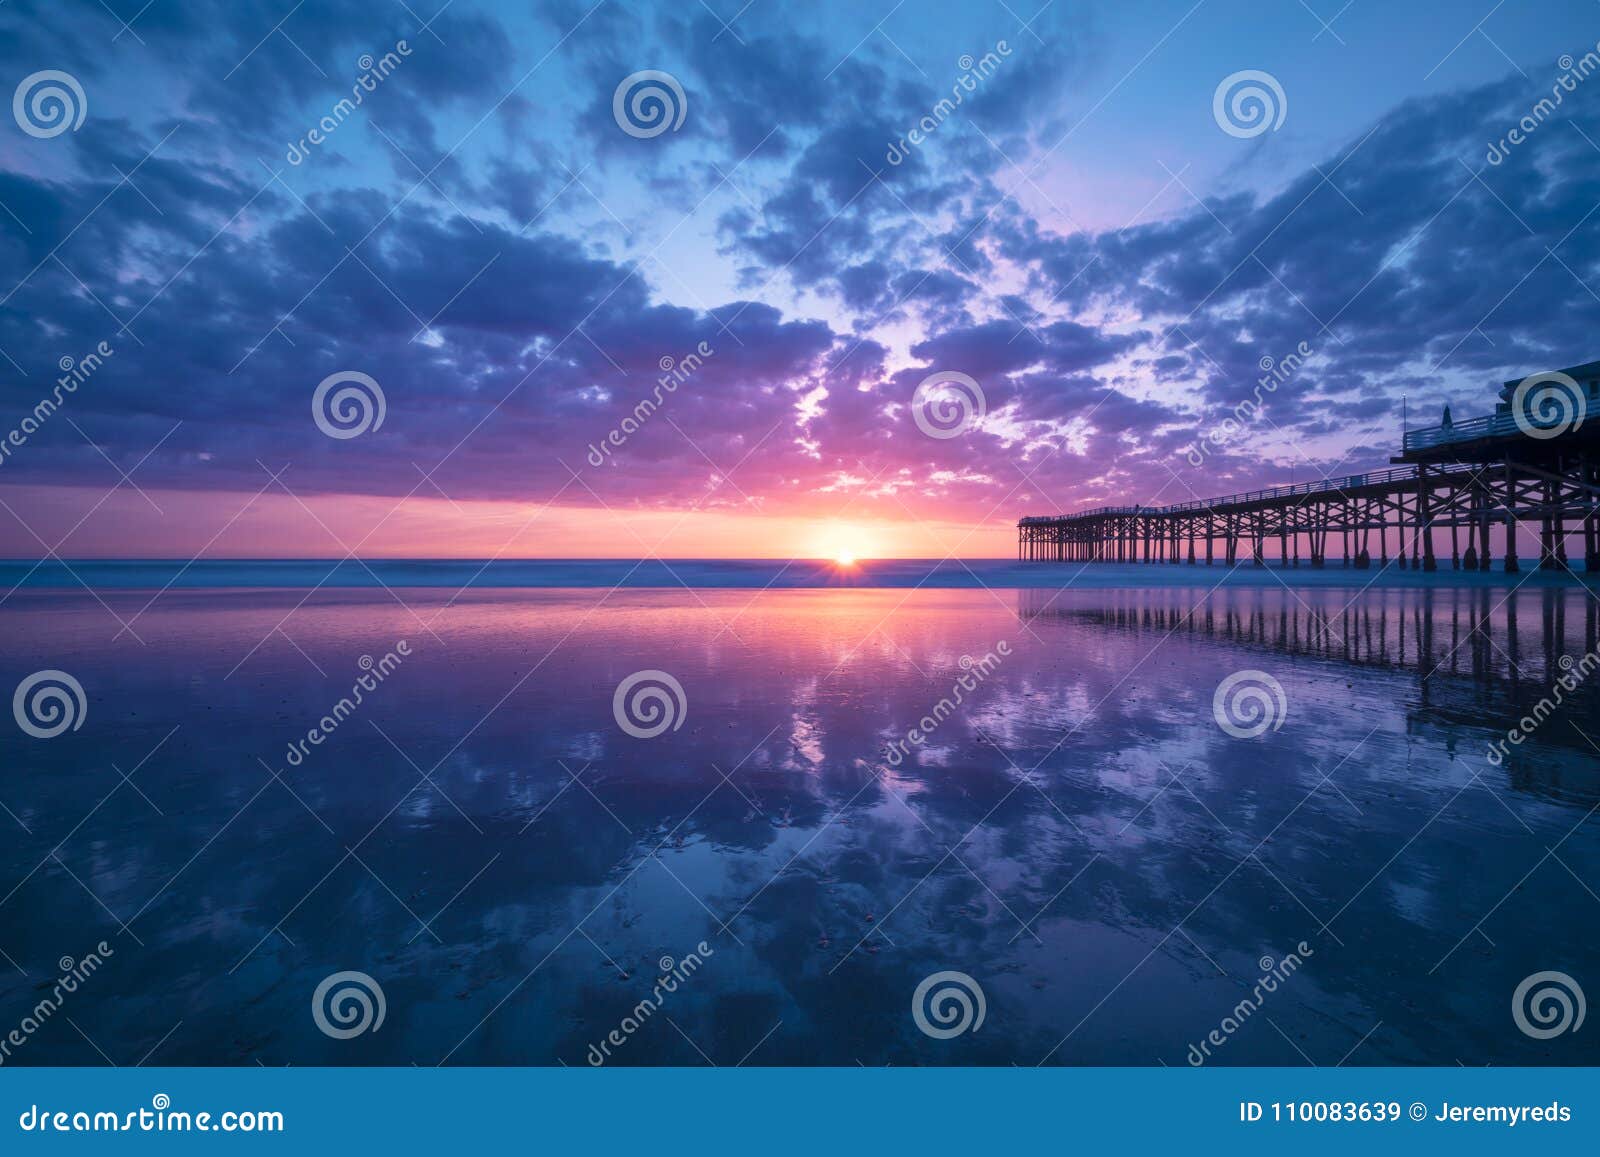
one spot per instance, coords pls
(1456, 487)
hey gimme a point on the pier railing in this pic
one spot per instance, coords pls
(1349, 482)
(1494, 426)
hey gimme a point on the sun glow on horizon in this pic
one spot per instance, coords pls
(842, 543)
(124, 525)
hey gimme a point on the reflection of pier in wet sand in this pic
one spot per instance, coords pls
(1516, 636)
(1481, 658)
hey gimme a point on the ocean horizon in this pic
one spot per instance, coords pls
(777, 574)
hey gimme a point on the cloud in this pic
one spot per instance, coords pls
(516, 309)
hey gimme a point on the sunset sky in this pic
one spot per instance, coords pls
(1081, 237)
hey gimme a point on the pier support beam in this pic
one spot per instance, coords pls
(1549, 532)
(1425, 523)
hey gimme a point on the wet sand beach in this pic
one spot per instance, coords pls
(1080, 834)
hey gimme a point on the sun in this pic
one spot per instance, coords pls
(841, 543)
